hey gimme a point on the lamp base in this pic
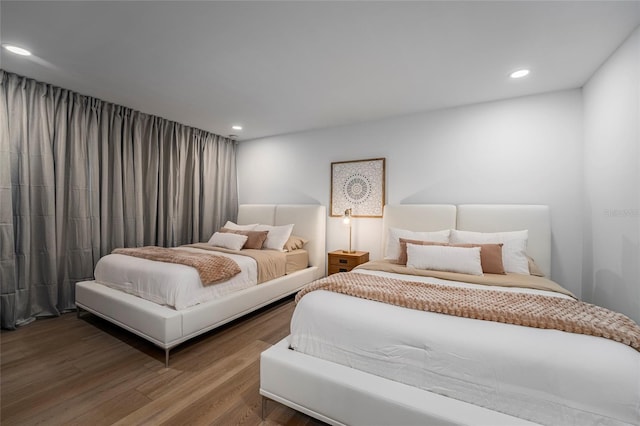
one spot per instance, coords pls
(348, 251)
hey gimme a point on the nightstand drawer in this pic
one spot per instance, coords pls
(344, 261)
(339, 261)
(334, 269)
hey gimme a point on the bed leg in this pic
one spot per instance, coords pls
(166, 358)
(264, 408)
(78, 312)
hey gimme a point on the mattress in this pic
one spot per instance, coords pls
(297, 260)
(170, 284)
(547, 376)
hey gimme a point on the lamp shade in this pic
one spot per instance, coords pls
(346, 218)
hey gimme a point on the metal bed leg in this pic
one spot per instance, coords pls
(264, 408)
(78, 312)
(166, 358)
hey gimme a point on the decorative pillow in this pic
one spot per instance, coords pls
(277, 237)
(514, 249)
(392, 249)
(294, 243)
(490, 257)
(255, 239)
(464, 260)
(236, 227)
(490, 254)
(227, 240)
(534, 269)
(402, 258)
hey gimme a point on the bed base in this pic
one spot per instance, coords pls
(166, 327)
(79, 311)
(340, 395)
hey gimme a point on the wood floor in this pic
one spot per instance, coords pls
(88, 372)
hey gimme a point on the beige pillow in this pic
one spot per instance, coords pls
(294, 243)
(490, 257)
(490, 254)
(255, 239)
(534, 269)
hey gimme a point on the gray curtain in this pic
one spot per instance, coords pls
(80, 177)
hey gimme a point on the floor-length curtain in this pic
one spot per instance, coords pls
(80, 177)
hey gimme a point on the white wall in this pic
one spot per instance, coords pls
(524, 150)
(612, 182)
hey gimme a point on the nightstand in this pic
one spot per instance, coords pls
(339, 261)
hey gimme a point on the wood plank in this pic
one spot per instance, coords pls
(201, 385)
(66, 370)
(210, 407)
(109, 411)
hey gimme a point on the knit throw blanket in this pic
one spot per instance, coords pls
(530, 310)
(211, 268)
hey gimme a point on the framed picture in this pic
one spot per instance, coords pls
(359, 186)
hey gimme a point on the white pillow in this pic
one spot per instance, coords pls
(277, 236)
(236, 227)
(392, 250)
(228, 240)
(514, 249)
(445, 258)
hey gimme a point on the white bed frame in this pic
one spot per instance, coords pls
(167, 327)
(341, 395)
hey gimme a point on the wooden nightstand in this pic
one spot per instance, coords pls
(339, 261)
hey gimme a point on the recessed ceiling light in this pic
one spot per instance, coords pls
(519, 74)
(17, 50)
(236, 127)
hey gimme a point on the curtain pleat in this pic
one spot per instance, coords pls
(80, 177)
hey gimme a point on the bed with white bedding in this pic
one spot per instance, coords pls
(174, 285)
(167, 304)
(386, 364)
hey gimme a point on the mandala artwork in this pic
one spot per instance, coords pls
(358, 185)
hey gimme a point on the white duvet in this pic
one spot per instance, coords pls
(547, 376)
(171, 284)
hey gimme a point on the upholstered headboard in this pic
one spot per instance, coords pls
(479, 218)
(309, 222)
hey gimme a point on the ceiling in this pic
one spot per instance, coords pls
(282, 67)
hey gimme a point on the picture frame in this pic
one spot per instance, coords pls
(358, 185)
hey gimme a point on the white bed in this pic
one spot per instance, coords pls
(344, 378)
(167, 327)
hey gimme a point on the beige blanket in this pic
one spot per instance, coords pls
(211, 268)
(530, 310)
(271, 264)
(508, 280)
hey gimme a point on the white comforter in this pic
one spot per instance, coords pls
(548, 376)
(170, 284)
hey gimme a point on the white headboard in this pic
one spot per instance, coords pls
(480, 218)
(309, 222)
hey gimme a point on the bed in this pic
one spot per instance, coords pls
(167, 327)
(359, 361)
